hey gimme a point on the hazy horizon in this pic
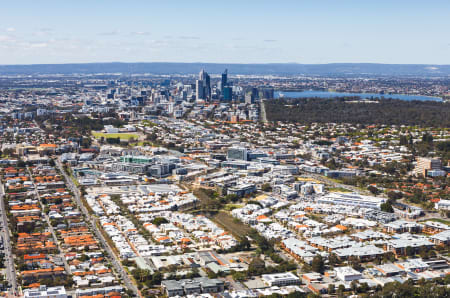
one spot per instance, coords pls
(244, 32)
(230, 63)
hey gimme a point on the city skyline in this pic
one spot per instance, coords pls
(232, 32)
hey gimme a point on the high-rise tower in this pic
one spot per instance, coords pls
(203, 85)
(224, 81)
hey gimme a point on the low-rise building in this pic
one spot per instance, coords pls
(280, 279)
(347, 274)
(43, 291)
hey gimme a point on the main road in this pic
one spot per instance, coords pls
(9, 259)
(113, 258)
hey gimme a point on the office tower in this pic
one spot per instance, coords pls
(251, 95)
(237, 154)
(207, 86)
(249, 98)
(200, 91)
(255, 93)
(224, 81)
(227, 93)
(204, 77)
(267, 93)
(203, 85)
(425, 164)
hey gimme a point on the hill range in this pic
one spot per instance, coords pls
(288, 69)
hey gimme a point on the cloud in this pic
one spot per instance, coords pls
(43, 32)
(10, 29)
(141, 33)
(270, 40)
(38, 45)
(110, 33)
(188, 37)
(5, 38)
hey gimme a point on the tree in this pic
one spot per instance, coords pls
(266, 187)
(394, 195)
(387, 207)
(8, 151)
(386, 111)
(354, 263)
(159, 221)
(83, 190)
(432, 254)
(231, 198)
(427, 138)
(21, 164)
(364, 287)
(341, 290)
(331, 289)
(238, 276)
(424, 254)
(86, 142)
(373, 190)
(354, 286)
(211, 274)
(333, 259)
(256, 266)
(157, 278)
(410, 251)
(244, 243)
(318, 264)
(403, 140)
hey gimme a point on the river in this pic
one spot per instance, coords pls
(329, 94)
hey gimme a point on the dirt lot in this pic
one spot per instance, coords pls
(237, 228)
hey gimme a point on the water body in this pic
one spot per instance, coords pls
(329, 94)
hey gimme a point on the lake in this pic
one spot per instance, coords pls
(328, 94)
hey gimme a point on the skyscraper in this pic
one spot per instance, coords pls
(227, 93)
(224, 80)
(203, 85)
(266, 93)
(200, 92)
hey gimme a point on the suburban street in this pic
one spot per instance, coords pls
(113, 258)
(50, 227)
(9, 259)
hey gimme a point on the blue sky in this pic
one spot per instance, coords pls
(245, 31)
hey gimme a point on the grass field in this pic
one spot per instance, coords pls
(447, 222)
(122, 136)
(211, 209)
(338, 189)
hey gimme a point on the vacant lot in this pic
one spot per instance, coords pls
(236, 227)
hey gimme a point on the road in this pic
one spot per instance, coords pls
(9, 258)
(263, 115)
(112, 257)
(50, 227)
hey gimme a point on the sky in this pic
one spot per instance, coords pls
(226, 31)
